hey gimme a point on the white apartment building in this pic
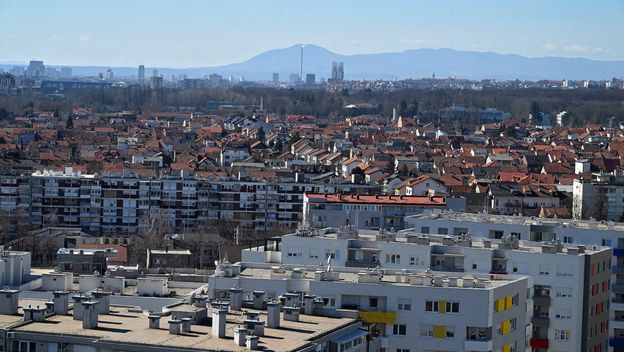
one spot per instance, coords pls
(580, 233)
(405, 310)
(599, 199)
(571, 283)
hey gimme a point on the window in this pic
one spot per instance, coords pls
(443, 231)
(606, 243)
(426, 330)
(562, 335)
(329, 302)
(293, 252)
(399, 329)
(424, 229)
(404, 304)
(568, 239)
(544, 269)
(564, 314)
(393, 258)
(373, 303)
(452, 307)
(450, 332)
(402, 350)
(442, 306)
(414, 261)
(564, 271)
(564, 292)
(313, 253)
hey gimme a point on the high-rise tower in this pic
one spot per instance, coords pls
(141, 73)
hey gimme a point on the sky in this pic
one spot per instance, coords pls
(198, 33)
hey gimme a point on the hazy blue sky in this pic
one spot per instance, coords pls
(193, 33)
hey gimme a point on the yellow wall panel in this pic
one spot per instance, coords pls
(439, 331)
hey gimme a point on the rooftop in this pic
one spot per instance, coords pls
(376, 199)
(130, 326)
(394, 277)
(371, 240)
(518, 220)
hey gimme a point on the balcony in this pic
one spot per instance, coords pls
(540, 321)
(541, 299)
(615, 342)
(377, 317)
(617, 288)
(617, 269)
(477, 345)
(616, 324)
(361, 264)
(539, 343)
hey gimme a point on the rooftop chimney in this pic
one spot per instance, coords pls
(258, 299)
(9, 301)
(61, 302)
(218, 322)
(49, 307)
(103, 298)
(292, 299)
(291, 313)
(90, 314)
(200, 301)
(273, 315)
(186, 324)
(308, 304)
(78, 309)
(154, 321)
(251, 342)
(174, 327)
(239, 336)
(236, 299)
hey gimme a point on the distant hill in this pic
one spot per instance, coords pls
(415, 63)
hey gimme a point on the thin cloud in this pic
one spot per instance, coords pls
(548, 46)
(83, 39)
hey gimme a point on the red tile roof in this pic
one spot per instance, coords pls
(380, 199)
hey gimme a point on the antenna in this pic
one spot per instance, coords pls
(301, 66)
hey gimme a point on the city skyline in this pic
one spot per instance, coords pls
(163, 35)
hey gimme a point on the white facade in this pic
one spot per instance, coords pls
(583, 233)
(152, 286)
(14, 268)
(553, 268)
(111, 284)
(57, 282)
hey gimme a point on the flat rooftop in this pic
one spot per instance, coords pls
(369, 240)
(517, 220)
(389, 277)
(127, 326)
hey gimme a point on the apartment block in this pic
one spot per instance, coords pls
(583, 234)
(571, 284)
(404, 310)
(370, 211)
(601, 198)
(127, 204)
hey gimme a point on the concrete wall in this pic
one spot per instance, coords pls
(91, 282)
(57, 281)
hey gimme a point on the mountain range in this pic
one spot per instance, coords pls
(415, 63)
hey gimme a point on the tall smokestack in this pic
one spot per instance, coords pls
(301, 68)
